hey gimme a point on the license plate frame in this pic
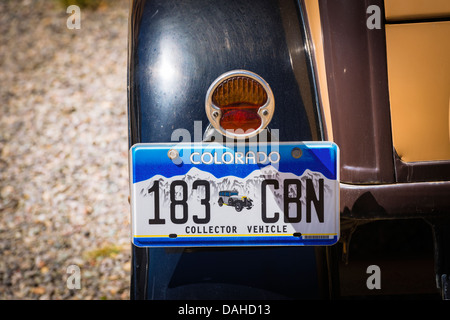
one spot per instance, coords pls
(175, 194)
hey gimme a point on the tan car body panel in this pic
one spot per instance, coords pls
(400, 10)
(418, 57)
(315, 28)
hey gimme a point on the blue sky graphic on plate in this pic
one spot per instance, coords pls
(239, 161)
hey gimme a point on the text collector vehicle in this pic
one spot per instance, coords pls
(274, 153)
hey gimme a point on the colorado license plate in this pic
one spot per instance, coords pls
(209, 194)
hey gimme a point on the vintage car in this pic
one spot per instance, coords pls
(227, 196)
(232, 198)
(373, 77)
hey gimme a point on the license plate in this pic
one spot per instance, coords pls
(246, 194)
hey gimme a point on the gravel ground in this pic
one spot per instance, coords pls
(63, 152)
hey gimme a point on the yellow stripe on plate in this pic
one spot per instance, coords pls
(212, 235)
(235, 235)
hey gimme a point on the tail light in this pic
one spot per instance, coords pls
(239, 104)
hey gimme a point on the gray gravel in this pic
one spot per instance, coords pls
(63, 152)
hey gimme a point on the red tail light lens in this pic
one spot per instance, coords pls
(239, 99)
(239, 104)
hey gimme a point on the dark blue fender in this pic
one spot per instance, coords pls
(176, 50)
